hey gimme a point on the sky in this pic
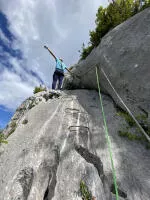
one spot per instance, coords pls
(25, 27)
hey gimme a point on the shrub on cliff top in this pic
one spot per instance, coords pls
(38, 89)
(107, 18)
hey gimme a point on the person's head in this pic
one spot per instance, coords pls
(61, 59)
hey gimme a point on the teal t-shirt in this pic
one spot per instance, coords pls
(60, 65)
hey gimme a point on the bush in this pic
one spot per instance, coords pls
(86, 51)
(143, 121)
(130, 136)
(86, 195)
(127, 117)
(108, 18)
(38, 89)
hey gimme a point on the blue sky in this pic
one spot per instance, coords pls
(5, 116)
(25, 27)
(6, 49)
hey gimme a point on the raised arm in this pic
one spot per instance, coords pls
(50, 52)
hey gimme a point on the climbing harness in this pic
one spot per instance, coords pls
(107, 136)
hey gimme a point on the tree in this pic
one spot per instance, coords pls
(107, 18)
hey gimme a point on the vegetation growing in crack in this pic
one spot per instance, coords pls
(127, 130)
(85, 193)
(127, 117)
(129, 135)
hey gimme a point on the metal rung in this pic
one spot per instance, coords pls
(75, 111)
(77, 127)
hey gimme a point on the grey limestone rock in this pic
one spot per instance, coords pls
(64, 143)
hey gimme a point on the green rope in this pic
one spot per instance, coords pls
(107, 137)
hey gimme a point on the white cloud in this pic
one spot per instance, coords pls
(61, 24)
(13, 90)
(4, 38)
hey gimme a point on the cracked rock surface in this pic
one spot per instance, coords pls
(64, 143)
(26, 106)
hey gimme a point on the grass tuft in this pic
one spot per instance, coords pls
(143, 121)
(38, 89)
(85, 193)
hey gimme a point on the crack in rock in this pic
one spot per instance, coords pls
(96, 161)
(120, 192)
(50, 190)
(22, 184)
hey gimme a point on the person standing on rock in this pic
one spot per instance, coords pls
(59, 71)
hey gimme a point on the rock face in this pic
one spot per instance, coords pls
(25, 107)
(63, 144)
(124, 55)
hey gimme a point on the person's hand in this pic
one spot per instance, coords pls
(45, 47)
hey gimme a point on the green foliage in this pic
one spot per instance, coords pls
(85, 51)
(3, 139)
(142, 118)
(110, 17)
(146, 4)
(127, 117)
(85, 193)
(143, 121)
(38, 89)
(130, 136)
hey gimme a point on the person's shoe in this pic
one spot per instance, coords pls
(58, 91)
(53, 91)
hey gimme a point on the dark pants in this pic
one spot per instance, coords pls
(57, 76)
